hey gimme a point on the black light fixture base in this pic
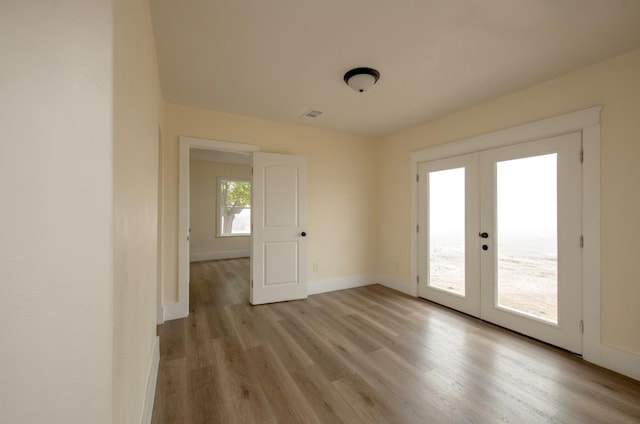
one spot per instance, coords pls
(361, 71)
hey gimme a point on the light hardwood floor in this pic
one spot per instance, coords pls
(365, 355)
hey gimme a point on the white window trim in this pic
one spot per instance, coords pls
(219, 232)
(587, 122)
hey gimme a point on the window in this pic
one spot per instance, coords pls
(234, 207)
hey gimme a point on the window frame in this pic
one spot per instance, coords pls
(219, 215)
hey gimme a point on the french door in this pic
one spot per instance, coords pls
(499, 237)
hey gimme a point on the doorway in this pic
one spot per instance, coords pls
(501, 237)
(219, 205)
(186, 145)
(278, 241)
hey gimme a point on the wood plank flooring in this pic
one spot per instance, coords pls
(365, 355)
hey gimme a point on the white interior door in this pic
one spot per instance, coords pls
(502, 237)
(279, 219)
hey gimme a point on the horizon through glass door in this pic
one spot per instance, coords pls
(451, 273)
(513, 259)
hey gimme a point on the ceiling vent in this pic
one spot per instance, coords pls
(310, 114)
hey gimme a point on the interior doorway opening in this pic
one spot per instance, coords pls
(205, 147)
(278, 235)
(219, 205)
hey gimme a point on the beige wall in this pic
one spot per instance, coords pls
(56, 182)
(341, 187)
(137, 111)
(615, 84)
(203, 177)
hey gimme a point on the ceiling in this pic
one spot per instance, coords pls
(277, 59)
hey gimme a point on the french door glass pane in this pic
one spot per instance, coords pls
(447, 230)
(527, 245)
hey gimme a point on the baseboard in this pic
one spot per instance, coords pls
(616, 360)
(160, 315)
(404, 287)
(212, 256)
(323, 286)
(602, 355)
(175, 311)
(152, 380)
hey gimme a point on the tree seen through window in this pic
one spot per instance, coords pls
(235, 207)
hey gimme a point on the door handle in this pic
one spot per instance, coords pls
(483, 235)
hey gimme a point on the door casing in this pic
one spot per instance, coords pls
(587, 122)
(480, 299)
(181, 308)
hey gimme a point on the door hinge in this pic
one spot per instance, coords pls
(252, 170)
(417, 178)
(581, 155)
(417, 279)
(251, 283)
(581, 241)
(582, 326)
(417, 228)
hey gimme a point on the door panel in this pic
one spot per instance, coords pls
(520, 265)
(281, 184)
(531, 279)
(449, 264)
(278, 246)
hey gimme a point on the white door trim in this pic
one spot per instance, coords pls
(586, 121)
(181, 309)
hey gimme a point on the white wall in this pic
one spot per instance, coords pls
(56, 182)
(136, 122)
(205, 242)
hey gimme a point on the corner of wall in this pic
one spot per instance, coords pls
(152, 379)
(404, 287)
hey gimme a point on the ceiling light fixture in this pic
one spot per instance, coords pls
(361, 79)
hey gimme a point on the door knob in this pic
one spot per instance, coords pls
(303, 234)
(485, 247)
(484, 235)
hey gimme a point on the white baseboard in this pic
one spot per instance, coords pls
(324, 286)
(175, 311)
(605, 356)
(152, 380)
(404, 287)
(160, 315)
(212, 256)
(616, 360)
